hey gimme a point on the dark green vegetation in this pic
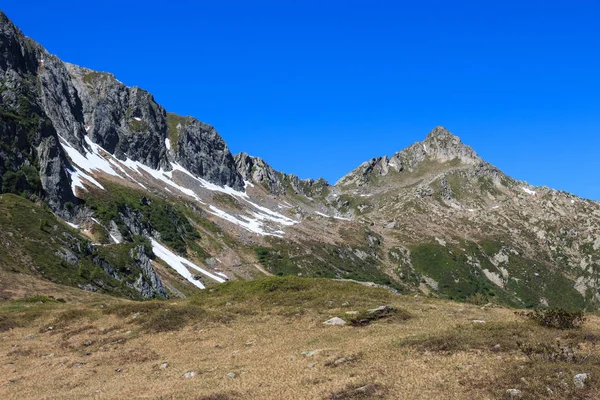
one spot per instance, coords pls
(22, 126)
(319, 259)
(558, 318)
(35, 242)
(458, 270)
(134, 210)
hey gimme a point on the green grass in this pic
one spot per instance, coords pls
(456, 277)
(93, 77)
(154, 213)
(34, 238)
(295, 292)
(317, 259)
(173, 120)
(529, 280)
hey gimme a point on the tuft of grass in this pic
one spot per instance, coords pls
(387, 313)
(221, 396)
(359, 391)
(489, 336)
(8, 322)
(156, 316)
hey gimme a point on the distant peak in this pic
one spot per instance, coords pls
(440, 132)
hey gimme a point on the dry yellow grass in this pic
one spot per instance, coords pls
(90, 353)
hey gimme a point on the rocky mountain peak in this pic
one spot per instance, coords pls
(441, 145)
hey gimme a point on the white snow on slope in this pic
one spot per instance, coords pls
(251, 225)
(76, 180)
(137, 119)
(333, 216)
(114, 238)
(168, 143)
(528, 191)
(98, 160)
(181, 264)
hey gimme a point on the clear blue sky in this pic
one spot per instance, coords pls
(317, 87)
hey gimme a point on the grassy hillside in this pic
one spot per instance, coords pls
(265, 339)
(35, 242)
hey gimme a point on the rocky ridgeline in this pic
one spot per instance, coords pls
(433, 217)
(439, 146)
(256, 170)
(43, 100)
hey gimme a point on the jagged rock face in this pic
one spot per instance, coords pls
(126, 122)
(256, 170)
(68, 101)
(27, 132)
(202, 151)
(148, 284)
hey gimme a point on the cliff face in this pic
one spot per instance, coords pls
(256, 170)
(44, 101)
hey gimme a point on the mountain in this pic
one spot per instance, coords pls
(105, 190)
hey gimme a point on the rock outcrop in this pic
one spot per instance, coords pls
(256, 170)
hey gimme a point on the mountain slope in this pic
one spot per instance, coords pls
(433, 218)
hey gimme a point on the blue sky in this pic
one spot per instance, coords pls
(317, 87)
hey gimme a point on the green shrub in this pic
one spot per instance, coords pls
(557, 318)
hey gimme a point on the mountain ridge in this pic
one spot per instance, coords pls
(160, 207)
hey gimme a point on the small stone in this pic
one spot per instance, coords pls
(312, 365)
(249, 343)
(478, 321)
(351, 312)
(514, 393)
(190, 374)
(579, 380)
(381, 309)
(128, 332)
(51, 355)
(164, 365)
(496, 347)
(29, 337)
(118, 370)
(310, 353)
(231, 374)
(228, 304)
(78, 364)
(88, 343)
(345, 304)
(336, 321)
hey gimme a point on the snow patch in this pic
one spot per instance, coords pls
(251, 225)
(137, 119)
(168, 143)
(114, 238)
(72, 225)
(529, 191)
(181, 264)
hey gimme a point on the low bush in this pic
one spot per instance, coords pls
(557, 318)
